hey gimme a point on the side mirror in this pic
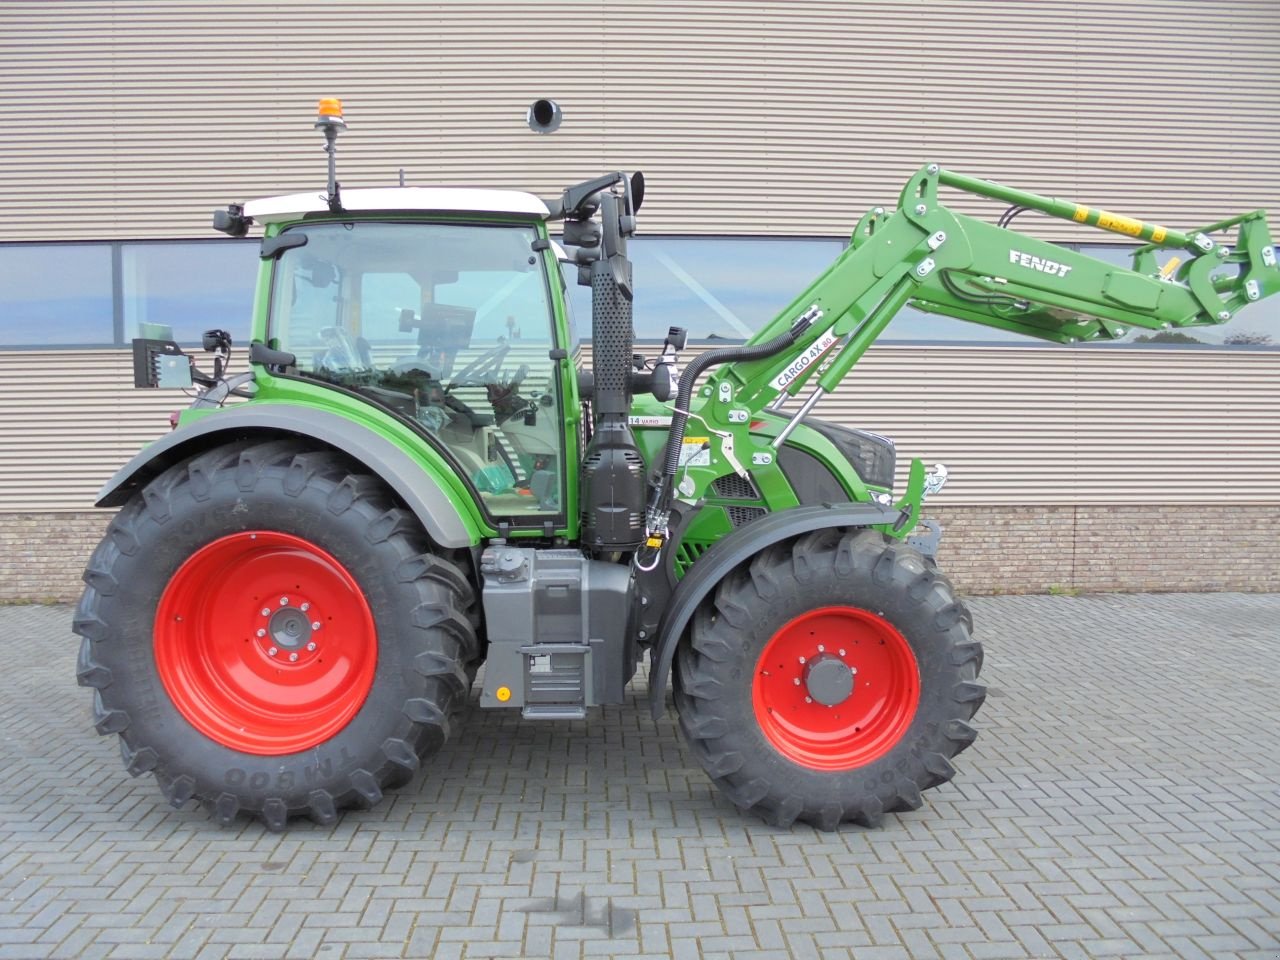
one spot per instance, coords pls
(637, 191)
(544, 116)
(216, 340)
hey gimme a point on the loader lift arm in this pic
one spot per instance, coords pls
(947, 263)
(952, 264)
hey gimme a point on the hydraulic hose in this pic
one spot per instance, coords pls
(713, 358)
(660, 500)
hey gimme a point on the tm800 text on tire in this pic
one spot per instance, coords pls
(269, 633)
(830, 679)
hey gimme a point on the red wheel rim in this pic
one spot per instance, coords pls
(265, 643)
(819, 656)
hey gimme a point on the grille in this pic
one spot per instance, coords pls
(688, 553)
(740, 516)
(734, 487)
(613, 334)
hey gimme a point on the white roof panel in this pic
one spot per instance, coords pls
(426, 199)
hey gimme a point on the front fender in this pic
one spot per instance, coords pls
(414, 484)
(733, 550)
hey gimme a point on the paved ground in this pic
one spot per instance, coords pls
(1122, 800)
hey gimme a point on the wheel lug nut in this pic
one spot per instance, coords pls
(821, 648)
(796, 681)
(311, 646)
(305, 607)
(808, 699)
(284, 601)
(293, 658)
(266, 611)
(262, 632)
(272, 652)
(842, 653)
(802, 659)
(315, 624)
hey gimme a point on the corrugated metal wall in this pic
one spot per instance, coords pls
(135, 120)
(69, 419)
(1015, 425)
(127, 119)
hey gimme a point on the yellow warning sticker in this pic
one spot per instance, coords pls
(695, 452)
(1126, 225)
(1158, 234)
(1081, 214)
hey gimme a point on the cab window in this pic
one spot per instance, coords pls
(448, 325)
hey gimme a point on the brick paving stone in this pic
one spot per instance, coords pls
(1123, 800)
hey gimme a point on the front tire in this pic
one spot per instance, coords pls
(270, 634)
(831, 679)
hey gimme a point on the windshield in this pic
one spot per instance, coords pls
(448, 325)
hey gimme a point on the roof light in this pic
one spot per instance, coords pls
(329, 111)
(329, 120)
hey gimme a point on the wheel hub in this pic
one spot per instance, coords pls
(289, 632)
(829, 680)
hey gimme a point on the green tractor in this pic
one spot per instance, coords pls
(417, 478)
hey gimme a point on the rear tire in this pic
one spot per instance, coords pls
(883, 640)
(201, 648)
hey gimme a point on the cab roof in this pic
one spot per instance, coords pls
(388, 199)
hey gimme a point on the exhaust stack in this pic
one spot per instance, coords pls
(613, 484)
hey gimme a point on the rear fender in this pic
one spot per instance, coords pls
(422, 492)
(731, 552)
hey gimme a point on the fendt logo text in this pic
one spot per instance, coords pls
(1039, 263)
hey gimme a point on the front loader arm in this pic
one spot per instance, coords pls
(942, 262)
(947, 263)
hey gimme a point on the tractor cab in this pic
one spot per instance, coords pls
(446, 321)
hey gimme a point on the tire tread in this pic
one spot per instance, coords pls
(444, 633)
(701, 681)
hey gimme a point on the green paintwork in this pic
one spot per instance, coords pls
(949, 262)
(437, 469)
(943, 262)
(921, 254)
(571, 403)
(1064, 209)
(775, 490)
(912, 498)
(708, 526)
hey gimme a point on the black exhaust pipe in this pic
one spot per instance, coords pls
(613, 485)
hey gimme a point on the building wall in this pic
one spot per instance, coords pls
(1149, 469)
(136, 120)
(1031, 548)
(1098, 548)
(1082, 469)
(1015, 425)
(42, 554)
